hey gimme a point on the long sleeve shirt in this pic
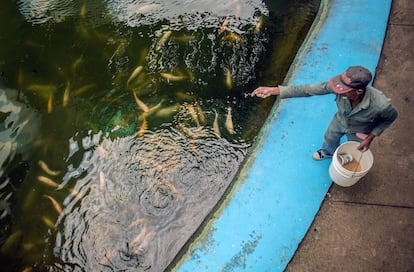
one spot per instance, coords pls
(373, 114)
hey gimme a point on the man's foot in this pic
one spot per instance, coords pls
(321, 154)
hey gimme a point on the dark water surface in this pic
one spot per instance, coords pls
(124, 122)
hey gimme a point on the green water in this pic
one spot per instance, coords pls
(104, 168)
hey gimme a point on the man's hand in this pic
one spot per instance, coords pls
(264, 92)
(365, 144)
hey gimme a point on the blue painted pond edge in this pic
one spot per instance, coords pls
(280, 188)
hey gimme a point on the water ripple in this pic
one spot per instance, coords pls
(138, 193)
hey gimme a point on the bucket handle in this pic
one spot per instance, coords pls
(356, 166)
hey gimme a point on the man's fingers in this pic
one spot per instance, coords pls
(260, 92)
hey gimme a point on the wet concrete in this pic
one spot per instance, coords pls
(370, 226)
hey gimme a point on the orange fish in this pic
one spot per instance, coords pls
(164, 38)
(140, 103)
(147, 239)
(193, 114)
(47, 181)
(140, 237)
(143, 127)
(200, 114)
(46, 168)
(216, 125)
(259, 24)
(229, 81)
(172, 77)
(54, 203)
(134, 74)
(50, 103)
(101, 181)
(66, 95)
(229, 121)
(224, 24)
(48, 222)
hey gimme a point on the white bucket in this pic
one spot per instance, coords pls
(344, 177)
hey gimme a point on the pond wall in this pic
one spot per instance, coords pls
(280, 188)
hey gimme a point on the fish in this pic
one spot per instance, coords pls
(101, 181)
(193, 114)
(152, 110)
(78, 62)
(172, 77)
(224, 24)
(173, 189)
(164, 38)
(28, 246)
(75, 194)
(167, 111)
(233, 37)
(148, 237)
(139, 221)
(140, 237)
(201, 114)
(229, 121)
(84, 89)
(184, 96)
(143, 127)
(30, 199)
(140, 103)
(229, 81)
(216, 125)
(47, 88)
(187, 131)
(83, 11)
(119, 51)
(50, 103)
(48, 222)
(134, 74)
(65, 99)
(194, 133)
(12, 242)
(47, 181)
(259, 24)
(55, 204)
(46, 168)
(185, 38)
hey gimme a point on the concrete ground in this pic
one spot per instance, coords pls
(370, 226)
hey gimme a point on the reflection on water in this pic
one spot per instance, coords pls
(123, 123)
(19, 124)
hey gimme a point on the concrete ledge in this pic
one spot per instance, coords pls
(281, 187)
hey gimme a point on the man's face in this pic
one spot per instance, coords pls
(352, 95)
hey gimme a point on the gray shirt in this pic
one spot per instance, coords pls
(372, 115)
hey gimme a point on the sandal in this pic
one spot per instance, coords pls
(321, 154)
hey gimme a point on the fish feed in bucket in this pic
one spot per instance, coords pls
(348, 174)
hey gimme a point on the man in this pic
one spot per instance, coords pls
(363, 111)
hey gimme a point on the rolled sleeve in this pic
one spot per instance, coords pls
(304, 90)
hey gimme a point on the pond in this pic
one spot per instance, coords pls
(123, 123)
